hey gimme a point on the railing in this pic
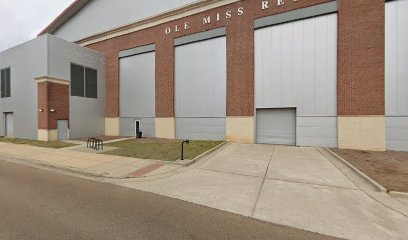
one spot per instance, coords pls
(95, 143)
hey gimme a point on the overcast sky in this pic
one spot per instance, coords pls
(22, 20)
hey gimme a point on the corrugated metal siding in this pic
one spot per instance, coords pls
(137, 86)
(296, 66)
(396, 58)
(200, 128)
(317, 131)
(200, 89)
(397, 133)
(396, 75)
(138, 94)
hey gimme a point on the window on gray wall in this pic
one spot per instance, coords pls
(5, 83)
(84, 82)
(91, 87)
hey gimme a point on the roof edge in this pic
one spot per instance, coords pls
(70, 11)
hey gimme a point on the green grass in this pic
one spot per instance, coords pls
(36, 143)
(167, 150)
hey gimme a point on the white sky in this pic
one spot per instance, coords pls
(22, 20)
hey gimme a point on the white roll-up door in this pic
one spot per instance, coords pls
(276, 126)
(138, 94)
(200, 89)
(396, 74)
(296, 67)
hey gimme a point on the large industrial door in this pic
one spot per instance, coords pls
(138, 94)
(396, 74)
(200, 91)
(276, 126)
(9, 126)
(296, 67)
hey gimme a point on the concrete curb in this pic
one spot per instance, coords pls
(35, 163)
(362, 179)
(186, 163)
(397, 194)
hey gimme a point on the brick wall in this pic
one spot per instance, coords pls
(52, 96)
(361, 57)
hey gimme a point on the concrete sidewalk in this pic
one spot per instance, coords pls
(75, 160)
(296, 187)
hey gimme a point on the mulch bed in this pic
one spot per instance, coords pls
(390, 168)
(103, 138)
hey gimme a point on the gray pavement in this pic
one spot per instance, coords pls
(297, 187)
(37, 204)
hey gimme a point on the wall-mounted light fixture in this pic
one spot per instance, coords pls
(52, 110)
(41, 110)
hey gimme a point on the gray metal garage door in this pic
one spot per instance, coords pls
(276, 126)
(200, 89)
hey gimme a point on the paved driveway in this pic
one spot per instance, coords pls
(296, 187)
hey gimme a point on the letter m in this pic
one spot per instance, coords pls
(207, 20)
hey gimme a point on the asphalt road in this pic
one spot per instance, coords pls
(37, 204)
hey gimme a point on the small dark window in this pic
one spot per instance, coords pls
(84, 82)
(77, 81)
(91, 87)
(5, 83)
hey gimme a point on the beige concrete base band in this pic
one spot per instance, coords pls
(112, 127)
(166, 128)
(362, 132)
(240, 129)
(47, 135)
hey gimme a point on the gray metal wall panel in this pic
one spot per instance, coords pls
(302, 13)
(296, 66)
(137, 86)
(276, 126)
(396, 75)
(26, 61)
(102, 15)
(201, 36)
(317, 131)
(87, 115)
(201, 128)
(201, 79)
(137, 50)
(397, 133)
(396, 55)
(147, 126)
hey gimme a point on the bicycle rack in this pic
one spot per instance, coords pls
(95, 143)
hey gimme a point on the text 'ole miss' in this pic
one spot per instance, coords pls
(227, 15)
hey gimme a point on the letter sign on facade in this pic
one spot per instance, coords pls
(228, 15)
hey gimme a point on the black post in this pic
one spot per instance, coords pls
(182, 148)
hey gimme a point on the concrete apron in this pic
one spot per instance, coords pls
(296, 187)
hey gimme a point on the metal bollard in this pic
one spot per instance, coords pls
(182, 148)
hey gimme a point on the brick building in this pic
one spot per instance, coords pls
(297, 72)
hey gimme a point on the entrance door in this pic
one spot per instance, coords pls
(9, 131)
(62, 126)
(276, 126)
